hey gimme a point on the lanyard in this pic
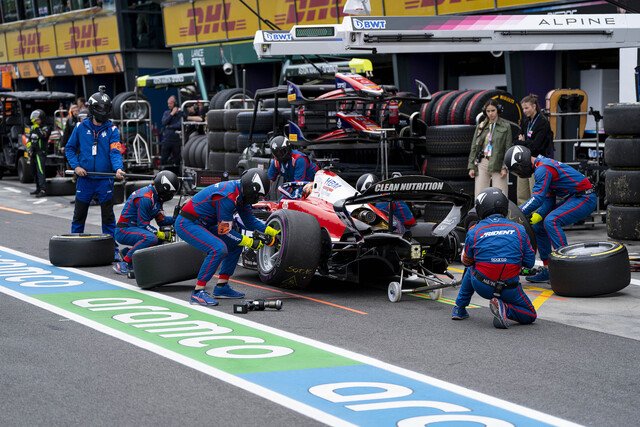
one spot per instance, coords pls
(531, 123)
(492, 127)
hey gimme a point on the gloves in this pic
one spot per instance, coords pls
(535, 218)
(164, 235)
(273, 233)
(250, 243)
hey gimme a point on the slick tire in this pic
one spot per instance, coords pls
(61, 187)
(449, 140)
(447, 167)
(81, 250)
(231, 142)
(512, 109)
(225, 95)
(118, 193)
(215, 120)
(25, 175)
(216, 161)
(589, 269)
(623, 222)
(131, 186)
(622, 187)
(441, 111)
(231, 163)
(166, 263)
(215, 141)
(458, 107)
(263, 124)
(426, 111)
(622, 152)
(298, 256)
(622, 119)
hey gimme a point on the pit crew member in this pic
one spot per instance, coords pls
(37, 147)
(292, 165)
(552, 179)
(495, 250)
(401, 211)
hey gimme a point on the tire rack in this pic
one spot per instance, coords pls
(183, 138)
(597, 216)
(139, 140)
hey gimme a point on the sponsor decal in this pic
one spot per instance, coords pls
(307, 11)
(409, 186)
(29, 43)
(576, 22)
(277, 36)
(369, 24)
(497, 233)
(85, 36)
(210, 20)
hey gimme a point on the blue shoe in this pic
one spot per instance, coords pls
(226, 291)
(203, 298)
(459, 313)
(542, 276)
(499, 312)
(116, 256)
(123, 268)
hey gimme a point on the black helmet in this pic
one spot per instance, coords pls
(100, 106)
(280, 148)
(365, 181)
(518, 160)
(254, 183)
(492, 201)
(37, 114)
(166, 184)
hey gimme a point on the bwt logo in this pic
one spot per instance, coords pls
(373, 24)
(307, 10)
(29, 44)
(277, 37)
(211, 19)
(83, 36)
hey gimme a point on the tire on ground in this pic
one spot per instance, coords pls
(623, 222)
(447, 167)
(25, 175)
(622, 119)
(81, 250)
(167, 263)
(622, 152)
(589, 268)
(215, 141)
(216, 161)
(449, 140)
(61, 187)
(131, 186)
(622, 187)
(298, 255)
(231, 163)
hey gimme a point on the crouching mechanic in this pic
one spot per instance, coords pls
(292, 165)
(401, 211)
(552, 178)
(206, 222)
(495, 250)
(134, 225)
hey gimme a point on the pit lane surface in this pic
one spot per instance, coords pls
(57, 371)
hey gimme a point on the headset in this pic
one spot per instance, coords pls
(498, 106)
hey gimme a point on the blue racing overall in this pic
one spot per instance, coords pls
(494, 252)
(578, 199)
(206, 222)
(299, 168)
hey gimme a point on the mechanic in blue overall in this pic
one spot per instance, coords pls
(292, 165)
(495, 250)
(94, 146)
(134, 225)
(552, 179)
(401, 211)
(206, 222)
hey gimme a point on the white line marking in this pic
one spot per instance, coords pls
(258, 390)
(13, 190)
(39, 202)
(635, 282)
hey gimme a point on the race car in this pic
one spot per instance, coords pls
(337, 233)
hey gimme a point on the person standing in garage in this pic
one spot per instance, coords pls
(37, 147)
(171, 144)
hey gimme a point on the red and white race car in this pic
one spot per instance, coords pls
(340, 234)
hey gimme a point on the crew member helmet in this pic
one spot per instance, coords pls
(100, 106)
(280, 148)
(365, 181)
(255, 184)
(518, 160)
(166, 184)
(37, 114)
(491, 201)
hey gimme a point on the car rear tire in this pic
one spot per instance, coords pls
(293, 264)
(589, 268)
(81, 250)
(166, 263)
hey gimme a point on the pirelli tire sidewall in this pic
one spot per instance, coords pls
(166, 263)
(81, 250)
(300, 248)
(589, 269)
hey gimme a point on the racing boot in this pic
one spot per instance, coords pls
(41, 193)
(499, 312)
(459, 313)
(201, 297)
(226, 291)
(123, 268)
(34, 192)
(542, 276)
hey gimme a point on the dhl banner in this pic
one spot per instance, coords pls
(14, 46)
(77, 66)
(241, 23)
(179, 24)
(63, 39)
(46, 42)
(4, 54)
(88, 36)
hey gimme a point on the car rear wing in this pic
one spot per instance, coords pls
(410, 188)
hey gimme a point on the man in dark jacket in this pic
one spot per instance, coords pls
(171, 123)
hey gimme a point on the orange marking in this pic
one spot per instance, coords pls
(2, 208)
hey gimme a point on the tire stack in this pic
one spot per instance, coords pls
(622, 183)
(264, 123)
(195, 151)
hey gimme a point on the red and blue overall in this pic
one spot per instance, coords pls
(206, 222)
(299, 168)
(134, 225)
(578, 199)
(494, 252)
(401, 213)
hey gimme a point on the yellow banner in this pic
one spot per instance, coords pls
(106, 38)
(47, 46)
(208, 20)
(29, 43)
(83, 36)
(4, 54)
(511, 3)
(316, 12)
(64, 43)
(241, 22)
(410, 7)
(14, 46)
(27, 70)
(282, 13)
(179, 25)
(447, 7)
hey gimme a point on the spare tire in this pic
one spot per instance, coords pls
(215, 120)
(622, 119)
(215, 141)
(449, 140)
(216, 161)
(225, 95)
(129, 111)
(441, 111)
(622, 187)
(61, 187)
(291, 264)
(589, 268)
(623, 222)
(512, 110)
(263, 124)
(458, 107)
(447, 167)
(166, 263)
(427, 109)
(622, 152)
(131, 186)
(81, 250)
(25, 174)
(231, 163)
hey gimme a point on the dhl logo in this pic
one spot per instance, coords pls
(84, 36)
(415, 4)
(211, 19)
(307, 10)
(29, 44)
